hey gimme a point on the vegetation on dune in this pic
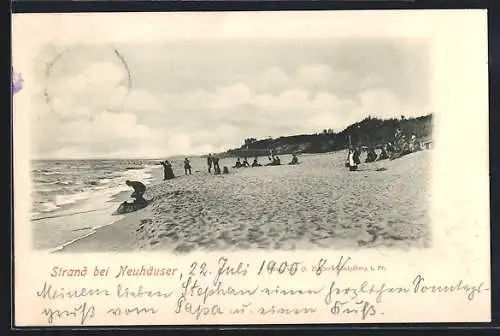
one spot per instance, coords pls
(370, 132)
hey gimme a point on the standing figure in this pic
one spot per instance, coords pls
(209, 162)
(216, 165)
(295, 160)
(356, 156)
(398, 140)
(347, 161)
(351, 160)
(187, 166)
(413, 143)
(168, 173)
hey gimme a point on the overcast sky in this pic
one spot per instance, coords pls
(196, 97)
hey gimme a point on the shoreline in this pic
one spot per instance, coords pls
(241, 211)
(84, 200)
(157, 173)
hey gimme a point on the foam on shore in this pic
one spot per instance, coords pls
(91, 231)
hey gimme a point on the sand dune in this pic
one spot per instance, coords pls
(317, 204)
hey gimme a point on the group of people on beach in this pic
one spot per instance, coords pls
(401, 145)
(140, 188)
(273, 161)
(213, 161)
(168, 172)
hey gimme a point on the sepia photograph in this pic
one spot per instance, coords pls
(232, 144)
(225, 168)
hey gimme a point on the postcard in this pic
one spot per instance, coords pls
(207, 168)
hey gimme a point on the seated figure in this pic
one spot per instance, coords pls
(383, 155)
(372, 156)
(238, 164)
(255, 163)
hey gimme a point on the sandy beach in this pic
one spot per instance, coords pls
(316, 204)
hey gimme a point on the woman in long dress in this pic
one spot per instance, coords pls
(351, 162)
(168, 172)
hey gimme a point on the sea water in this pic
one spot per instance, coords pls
(72, 198)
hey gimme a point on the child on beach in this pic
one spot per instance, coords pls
(187, 166)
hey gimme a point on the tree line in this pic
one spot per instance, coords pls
(370, 132)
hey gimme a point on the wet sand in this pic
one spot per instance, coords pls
(316, 204)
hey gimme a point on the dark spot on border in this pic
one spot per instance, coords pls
(17, 82)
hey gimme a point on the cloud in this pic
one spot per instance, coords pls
(97, 77)
(158, 124)
(100, 86)
(382, 103)
(315, 73)
(272, 78)
(229, 96)
(312, 77)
